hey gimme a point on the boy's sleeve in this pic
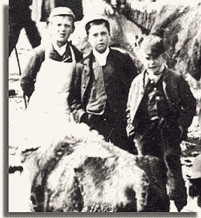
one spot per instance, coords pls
(30, 71)
(74, 98)
(129, 128)
(187, 102)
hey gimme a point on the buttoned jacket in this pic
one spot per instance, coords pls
(177, 92)
(116, 89)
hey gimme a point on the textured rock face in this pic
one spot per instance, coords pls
(181, 31)
(179, 25)
(86, 174)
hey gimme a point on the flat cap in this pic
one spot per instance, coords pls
(93, 17)
(153, 45)
(61, 11)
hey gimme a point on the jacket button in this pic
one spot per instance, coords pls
(84, 86)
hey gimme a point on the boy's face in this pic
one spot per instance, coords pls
(153, 64)
(99, 37)
(60, 28)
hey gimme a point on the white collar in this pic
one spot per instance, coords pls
(101, 57)
(61, 50)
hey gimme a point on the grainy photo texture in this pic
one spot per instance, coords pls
(104, 106)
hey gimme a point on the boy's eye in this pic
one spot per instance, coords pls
(103, 33)
(150, 58)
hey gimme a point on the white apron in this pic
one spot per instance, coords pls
(48, 114)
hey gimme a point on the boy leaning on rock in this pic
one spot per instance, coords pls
(160, 109)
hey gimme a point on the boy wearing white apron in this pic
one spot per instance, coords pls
(46, 79)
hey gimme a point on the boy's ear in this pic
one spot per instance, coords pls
(73, 29)
(47, 23)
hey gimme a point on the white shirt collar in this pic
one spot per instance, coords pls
(101, 57)
(61, 50)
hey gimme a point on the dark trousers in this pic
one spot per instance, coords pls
(112, 126)
(18, 21)
(162, 140)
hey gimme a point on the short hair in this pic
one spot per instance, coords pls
(97, 22)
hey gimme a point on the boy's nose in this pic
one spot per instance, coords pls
(62, 27)
(151, 61)
(100, 38)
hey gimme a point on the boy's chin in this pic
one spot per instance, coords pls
(101, 50)
(154, 72)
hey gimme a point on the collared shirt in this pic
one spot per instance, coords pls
(62, 53)
(101, 57)
(61, 50)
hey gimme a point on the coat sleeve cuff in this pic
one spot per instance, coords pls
(80, 114)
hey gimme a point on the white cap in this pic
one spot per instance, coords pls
(92, 17)
(61, 11)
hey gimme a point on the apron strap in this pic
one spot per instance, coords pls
(72, 53)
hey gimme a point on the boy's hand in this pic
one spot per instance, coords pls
(84, 118)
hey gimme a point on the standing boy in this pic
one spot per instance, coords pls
(46, 79)
(60, 26)
(100, 85)
(160, 109)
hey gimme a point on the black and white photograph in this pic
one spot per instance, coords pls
(104, 107)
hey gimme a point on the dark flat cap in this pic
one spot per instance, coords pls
(153, 45)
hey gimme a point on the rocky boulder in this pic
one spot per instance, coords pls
(82, 173)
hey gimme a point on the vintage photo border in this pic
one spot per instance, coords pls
(5, 133)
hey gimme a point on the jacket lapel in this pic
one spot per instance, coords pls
(167, 82)
(138, 92)
(86, 73)
(164, 82)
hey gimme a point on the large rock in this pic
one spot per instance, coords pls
(177, 22)
(81, 172)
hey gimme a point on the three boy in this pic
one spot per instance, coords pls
(159, 105)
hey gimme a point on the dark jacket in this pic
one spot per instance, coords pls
(116, 90)
(177, 92)
(33, 66)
